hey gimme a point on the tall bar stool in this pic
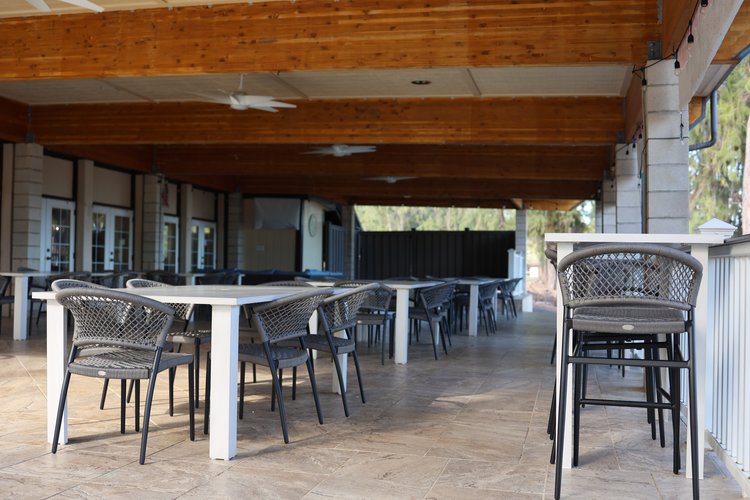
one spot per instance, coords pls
(636, 297)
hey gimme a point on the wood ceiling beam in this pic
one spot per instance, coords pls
(424, 161)
(502, 120)
(676, 15)
(454, 190)
(137, 158)
(14, 118)
(297, 36)
(737, 39)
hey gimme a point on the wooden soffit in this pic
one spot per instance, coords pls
(306, 35)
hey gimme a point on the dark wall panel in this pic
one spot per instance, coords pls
(434, 253)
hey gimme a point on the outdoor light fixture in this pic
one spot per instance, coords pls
(691, 38)
(420, 82)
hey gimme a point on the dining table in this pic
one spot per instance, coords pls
(697, 245)
(21, 299)
(225, 302)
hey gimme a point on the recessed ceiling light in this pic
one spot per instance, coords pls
(420, 82)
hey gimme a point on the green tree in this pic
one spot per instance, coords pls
(375, 218)
(578, 220)
(717, 172)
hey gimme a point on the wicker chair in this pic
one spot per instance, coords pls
(339, 314)
(375, 314)
(432, 309)
(166, 277)
(133, 330)
(196, 337)
(287, 283)
(77, 275)
(282, 320)
(487, 293)
(636, 297)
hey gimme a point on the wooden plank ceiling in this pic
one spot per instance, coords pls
(543, 143)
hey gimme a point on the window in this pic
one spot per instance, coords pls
(170, 243)
(111, 239)
(203, 245)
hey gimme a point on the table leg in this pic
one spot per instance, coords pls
(473, 310)
(564, 249)
(57, 354)
(700, 252)
(223, 432)
(21, 308)
(401, 337)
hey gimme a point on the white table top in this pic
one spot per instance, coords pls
(678, 239)
(226, 295)
(27, 274)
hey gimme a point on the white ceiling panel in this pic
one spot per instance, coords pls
(64, 92)
(552, 80)
(185, 88)
(454, 82)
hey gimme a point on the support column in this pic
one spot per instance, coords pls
(84, 210)
(629, 215)
(27, 205)
(527, 301)
(348, 218)
(609, 205)
(186, 222)
(235, 231)
(6, 207)
(151, 241)
(667, 175)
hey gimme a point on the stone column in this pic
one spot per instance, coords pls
(186, 222)
(6, 207)
(84, 210)
(629, 215)
(27, 205)
(667, 176)
(151, 239)
(235, 231)
(348, 217)
(609, 205)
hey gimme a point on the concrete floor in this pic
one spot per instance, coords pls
(470, 425)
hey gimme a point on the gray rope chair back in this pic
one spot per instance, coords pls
(550, 252)
(339, 312)
(287, 318)
(4, 283)
(211, 279)
(435, 296)
(165, 277)
(381, 297)
(63, 284)
(105, 317)
(182, 312)
(488, 290)
(648, 275)
(287, 283)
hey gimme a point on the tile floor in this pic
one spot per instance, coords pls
(471, 425)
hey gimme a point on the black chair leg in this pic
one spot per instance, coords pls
(242, 390)
(313, 384)
(359, 375)
(104, 393)
(577, 389)
(60, 408)
(294, 383)
(207, 405)
(342, 386)
(693, 409)
(191, 407)
(277, 390)
(197, 357)
(147, 413)
(137, 404)
(123, 404)
(172, 373)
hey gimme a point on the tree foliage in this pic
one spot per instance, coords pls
(578, 220)
(375, 218)
(717, 172)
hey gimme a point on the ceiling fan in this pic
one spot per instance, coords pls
(340, 150)
(241, 101)
(390, 179)
(85, 4)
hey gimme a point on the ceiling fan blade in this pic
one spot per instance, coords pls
(86, 4)
(361, 149)
(252, 100)
(265, 108)
(319, 151)
(279, 104)
(40, 5)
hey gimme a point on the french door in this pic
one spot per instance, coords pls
(203, 244)
(111, 239)
(171, 243)
(57, 239)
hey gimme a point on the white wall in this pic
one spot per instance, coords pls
(112, 188)
(204, 205)
(58, 178)
(312, 235)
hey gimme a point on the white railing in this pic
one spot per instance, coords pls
(728, 365)
(517, 269)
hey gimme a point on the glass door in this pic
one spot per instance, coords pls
(58, 235)
(111, 239)
(203, 245)
(171, 243)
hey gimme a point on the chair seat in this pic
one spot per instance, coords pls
(374, 318)
(286, 357)
(320, 342)
(629, 320)
(190, 337)
(125, 364)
